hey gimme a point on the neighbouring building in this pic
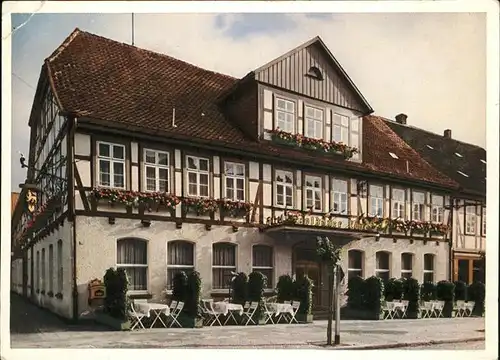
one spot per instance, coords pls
(14, 196)
(465, 164)
(172, 167)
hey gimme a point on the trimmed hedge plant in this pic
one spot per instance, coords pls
(460, 290)
(193, 295)
(303, 293)
(179, 286)
(374, 294)
(285, 288)
(428, 291)
(477, 292)
(257, 282)
(446, 292)
(240, 288)
(116, 300)
(355, 293)
(412, 294)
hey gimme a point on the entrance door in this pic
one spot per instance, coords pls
(312, 270)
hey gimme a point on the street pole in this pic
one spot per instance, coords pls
(331, 283)
(337, 306)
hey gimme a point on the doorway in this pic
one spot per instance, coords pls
(312, 270)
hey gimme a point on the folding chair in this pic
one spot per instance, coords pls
(249, 313)
(438, 309)
(136, 317)
(175, 314)
(468, 308)
(295, 310)
(461, 309)
(405, 308)
(230, 315)
(268, 314)
(390, 309)
(212, 315)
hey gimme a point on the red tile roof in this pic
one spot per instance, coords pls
(125, 86)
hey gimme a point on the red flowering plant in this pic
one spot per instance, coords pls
(165, 199)
(400, 225)
(128, 198)
(200, 206)
(438, 229)
(235, 208)
(291, 217)
(374, 222)
(419, 227)
(134, 198)
(321, 145)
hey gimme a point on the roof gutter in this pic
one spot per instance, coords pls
(101, 125)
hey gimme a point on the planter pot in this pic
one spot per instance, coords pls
(190, 322)
(281, 141)
(114, 323)
(304, 318)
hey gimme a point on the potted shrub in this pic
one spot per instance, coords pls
(179, 286)
(303, 293)
(191, 317)
(257, 282)
(389, 288)
(428, 291)
(446, 292)
(239, 289)
(116, 303)
(460, 290)
(373, 297)
(355, 293)
(284, 288)
(477, 293)
(412, 294)
(398, 289)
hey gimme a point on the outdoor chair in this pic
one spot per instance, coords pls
(295, 307)
(469, 307)
(136, 317)
(388, 310)
(460, 308)
(405, 309)
(173, 305)
(438, 308)
(249, 313)
(175, 314)
(268, 314)
(212, 316)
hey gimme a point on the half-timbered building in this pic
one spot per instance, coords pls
(172, 167)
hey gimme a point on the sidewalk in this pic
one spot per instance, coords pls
(354, 334)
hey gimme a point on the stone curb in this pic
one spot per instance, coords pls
(406, 344)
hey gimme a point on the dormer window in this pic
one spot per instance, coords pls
(285, 115)
(314, 123)
(315, 73)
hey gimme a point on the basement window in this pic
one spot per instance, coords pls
(457, 154)
(463, 174)
(394, 156)
(430, 147)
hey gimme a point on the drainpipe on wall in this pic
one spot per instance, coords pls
(71, 206)
(450, 240)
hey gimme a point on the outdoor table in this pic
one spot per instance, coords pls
(153, 308)
(279, 308)
(402, 306)
(226, 308)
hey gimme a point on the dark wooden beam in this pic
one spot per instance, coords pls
(79, 184)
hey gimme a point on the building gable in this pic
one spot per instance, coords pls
(311, 70)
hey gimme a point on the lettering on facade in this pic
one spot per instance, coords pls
(334, 223)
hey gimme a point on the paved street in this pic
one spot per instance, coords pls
(34, 328)
(470, 345)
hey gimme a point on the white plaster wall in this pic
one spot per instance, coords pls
(62, 306)
(96, 251)
(464, 242)
(82, 144)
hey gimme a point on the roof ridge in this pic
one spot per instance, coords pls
(155, 53)
(63, 45)
(428, 132)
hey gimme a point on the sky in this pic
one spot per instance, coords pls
(430, 66)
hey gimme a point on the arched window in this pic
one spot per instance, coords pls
(429, 267)
(180, 257)
(314, 72)
(355, 263)
(132, 255)
(262, 261)
(59, 267)
(51, 268)
(223, 263)
(383, 269)
(406, 265)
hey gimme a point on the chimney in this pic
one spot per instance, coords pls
(447, 133)
(401, 119)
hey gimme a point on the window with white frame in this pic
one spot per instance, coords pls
(180, 257)
(470, 220)
(354, 130)
(382, 259)
(283, 183)
(418, 206)
(285, 115)
(341, 128)
(51, 268)
(111, 165)
(198, 174)
(43, 270)
(355, 263)
(59, 267)
(483, 223)
(376, 199)
(406, 265)
(235, 181)
(428, 268)
(156, 170)
(132, 256)
(262, 261)
(314, 123)
(437, 208)
(313, 193)
(398, 203)
(223, 264)
(339, 196)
